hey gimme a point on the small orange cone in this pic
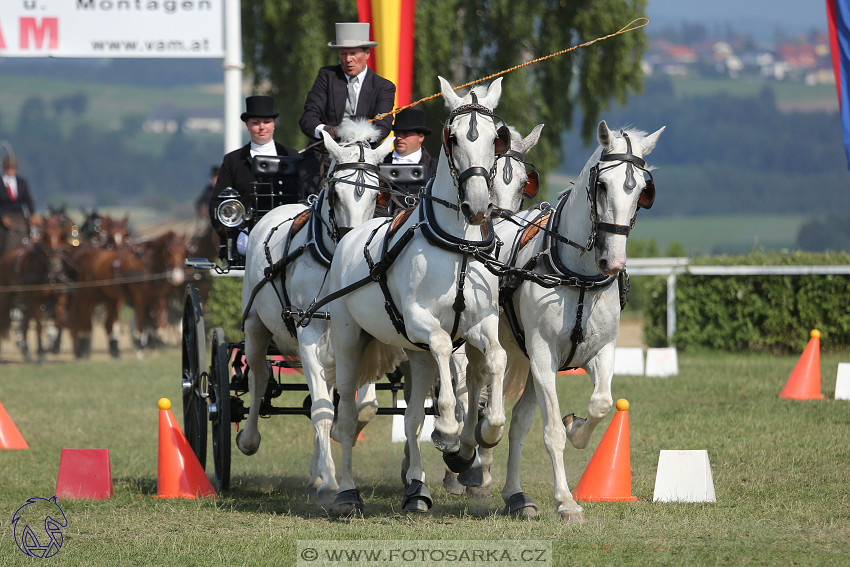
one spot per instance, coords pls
(10, 437)
(608, 476)
(804, 382)
(179, 472)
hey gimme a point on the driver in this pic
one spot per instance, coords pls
(236, 169)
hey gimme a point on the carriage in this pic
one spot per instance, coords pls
(213, 394)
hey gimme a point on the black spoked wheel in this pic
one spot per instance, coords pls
(194, 379)
(220, 409)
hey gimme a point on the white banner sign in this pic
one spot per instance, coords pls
(111, 28)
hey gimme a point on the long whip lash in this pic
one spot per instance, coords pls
(631, 26)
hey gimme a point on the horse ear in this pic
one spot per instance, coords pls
(647, 144)
(494, 93)
(531, 140)
(604, 135)
(385, 148)
(449, 94)
(330, 144)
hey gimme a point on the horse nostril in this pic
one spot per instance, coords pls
(466, 210)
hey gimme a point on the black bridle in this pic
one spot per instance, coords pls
(450, 139)
(645, 201)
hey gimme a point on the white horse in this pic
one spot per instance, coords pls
(511, 183)
(417, 287)
(287, 259)
(562, 309)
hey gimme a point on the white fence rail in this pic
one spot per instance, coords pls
(672, 267)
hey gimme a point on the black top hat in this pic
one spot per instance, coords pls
(411, 120)
(259, 107)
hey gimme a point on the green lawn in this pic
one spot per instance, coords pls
(780, 471)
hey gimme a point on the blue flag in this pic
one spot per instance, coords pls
(838, 14)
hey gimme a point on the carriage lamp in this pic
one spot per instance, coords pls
(231, 211)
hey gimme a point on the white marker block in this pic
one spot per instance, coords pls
(398, 435)
(684, 476)
(842, 381)
(628, 361)
(662, 362)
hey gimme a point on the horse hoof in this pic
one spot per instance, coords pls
(347, 503)
(520, 505)
(575, 517)
(325, 496)
(446, 443)
(114, 351)
(247, 450)
(480, 439)
(572, 422)
(451, 484)
(479, 492)
(473, 476)
(417, 497)
(456, 463)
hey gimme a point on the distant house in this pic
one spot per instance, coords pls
(166, 119)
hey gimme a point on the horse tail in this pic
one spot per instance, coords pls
(378, 359)
(515, 377)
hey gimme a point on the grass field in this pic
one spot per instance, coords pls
(780, 471)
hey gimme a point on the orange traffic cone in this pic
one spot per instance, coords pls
(608, 476)
(179, 472)
(10, 437)
(804, 382)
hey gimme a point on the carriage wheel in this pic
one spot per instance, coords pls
(220, 410)
(194, 379)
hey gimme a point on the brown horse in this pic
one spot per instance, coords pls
(35, 277)
(102, 231)
(164, 256)
(204, 244)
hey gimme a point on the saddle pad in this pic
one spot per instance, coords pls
(399, 220)
(532, 230)
(300, 221)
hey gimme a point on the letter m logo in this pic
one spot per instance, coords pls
(33, 34)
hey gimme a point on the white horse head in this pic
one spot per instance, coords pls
(352, 188)
(615, 179)
(470, 146)
(512, 181)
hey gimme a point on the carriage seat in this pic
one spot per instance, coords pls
(407, 177)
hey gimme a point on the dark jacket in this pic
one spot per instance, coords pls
(325, 102)
(22, 205)
(236, 172)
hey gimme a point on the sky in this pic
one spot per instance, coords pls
(759, 17)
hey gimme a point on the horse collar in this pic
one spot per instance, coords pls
(316, 242)
(439, 237)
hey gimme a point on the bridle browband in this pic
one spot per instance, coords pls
(503, 137)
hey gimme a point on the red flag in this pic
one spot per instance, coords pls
(392, 26)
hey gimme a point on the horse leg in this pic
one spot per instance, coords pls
(601, 370)
(517, 503)
(487, 353)
(80, 323)
(544, 370)
(322, 484)
(417, 497)
(113, 307)
(22, 330)
(257, 338)
(348, 344)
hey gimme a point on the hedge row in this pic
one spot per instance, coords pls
(224, 307)
(753, 313)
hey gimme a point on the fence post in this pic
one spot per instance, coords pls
(671, 306)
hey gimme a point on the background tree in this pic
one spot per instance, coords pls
(285, 43)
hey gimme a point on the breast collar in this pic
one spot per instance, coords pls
(438, 237)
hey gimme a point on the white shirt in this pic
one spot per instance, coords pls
(264, 150)
(357, 86)
(12, 183)
(409, 158)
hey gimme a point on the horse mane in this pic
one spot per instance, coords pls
(358, 130)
